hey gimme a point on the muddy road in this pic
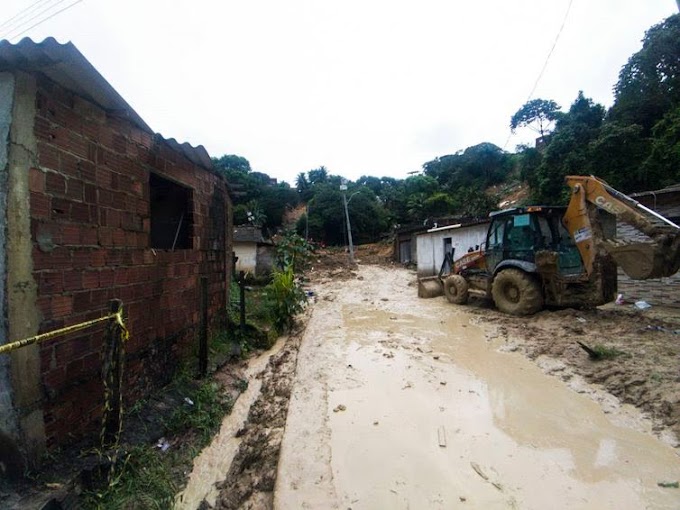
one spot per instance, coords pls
(405, 403)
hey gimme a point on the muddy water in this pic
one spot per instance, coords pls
(212, 465)
(406, 404)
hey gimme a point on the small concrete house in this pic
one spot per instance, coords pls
(436, 242)
(94, 206)
(255, 254)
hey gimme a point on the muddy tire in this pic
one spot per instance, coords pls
(516, 292)
(456, 289)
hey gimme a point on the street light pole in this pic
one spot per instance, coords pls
(343, 188)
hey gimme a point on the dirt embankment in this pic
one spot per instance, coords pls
(641, 362)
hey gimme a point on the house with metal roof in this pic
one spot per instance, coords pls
(95, 206)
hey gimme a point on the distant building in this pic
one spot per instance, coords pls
(255, 253)
(435, 243)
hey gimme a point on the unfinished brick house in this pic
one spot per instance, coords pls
(94, 206)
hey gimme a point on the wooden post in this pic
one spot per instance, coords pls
(112, 375)
(242, 298)
(203, 336)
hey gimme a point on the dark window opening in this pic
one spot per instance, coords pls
(171, 218)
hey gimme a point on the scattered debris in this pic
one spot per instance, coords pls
(435, 357)
(163, 444)
(441, 435)
(619, 300)
(408, 385)
(479, 471)
(669, 485)
(339, 407)
(443, 383)
(642, 305)
(188, 401)
(375, 422)
(581, 320)
(462, 498)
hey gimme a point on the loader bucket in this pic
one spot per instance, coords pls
(430, 286)
(641, 261)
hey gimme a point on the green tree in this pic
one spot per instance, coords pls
(662, 167)
(649, 83)
(568, 150)
(538, 115)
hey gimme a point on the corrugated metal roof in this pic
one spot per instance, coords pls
(248, 234)
(65, 65)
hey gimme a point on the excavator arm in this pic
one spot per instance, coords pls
(641, 260)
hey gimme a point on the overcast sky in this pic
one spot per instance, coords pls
(374, 87)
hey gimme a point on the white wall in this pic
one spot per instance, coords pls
(430, 245)
(247, 256)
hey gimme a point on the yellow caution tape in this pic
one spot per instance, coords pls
(63, 331)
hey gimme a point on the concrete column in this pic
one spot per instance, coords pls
(22, 312)
(9, 426)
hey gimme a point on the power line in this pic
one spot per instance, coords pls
(547, 59)
(22, 14)
(545, 63)
(6, 35)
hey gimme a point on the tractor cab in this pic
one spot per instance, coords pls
(515, 236)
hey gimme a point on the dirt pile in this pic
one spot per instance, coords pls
(639, 352)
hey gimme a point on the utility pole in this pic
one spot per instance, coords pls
(343, 188)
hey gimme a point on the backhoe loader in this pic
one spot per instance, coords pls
(540, 256)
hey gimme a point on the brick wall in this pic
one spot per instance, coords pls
(89, 202)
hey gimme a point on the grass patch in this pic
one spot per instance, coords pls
(603, 352)
(145, 481)
(147, 477)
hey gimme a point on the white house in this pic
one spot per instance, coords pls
(436, 242)
(255, 254)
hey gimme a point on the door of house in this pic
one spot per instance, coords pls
(405, 252)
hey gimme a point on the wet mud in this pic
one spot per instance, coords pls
(407, 403)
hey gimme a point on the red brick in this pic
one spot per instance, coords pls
(36, 180)
(73, 280)
(119, 237)
(98, 258)
(106, 278)
(105, 236)
(61, 208)
(103, 177)
(120, 276)
(88, 235)
(78, 145)
(61, 306)
(80, 212)
(48, 156)
(82, 301)
(87, 170)
(69, 165)
(91, 279)
(90, 194)
(40, 206)
(74, 189)
(81, 258)
(70, 234)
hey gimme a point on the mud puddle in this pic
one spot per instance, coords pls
(422, 412)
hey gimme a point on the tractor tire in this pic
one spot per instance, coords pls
(456, 289)
(516, 292)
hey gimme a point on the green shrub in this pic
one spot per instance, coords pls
(285, 298)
